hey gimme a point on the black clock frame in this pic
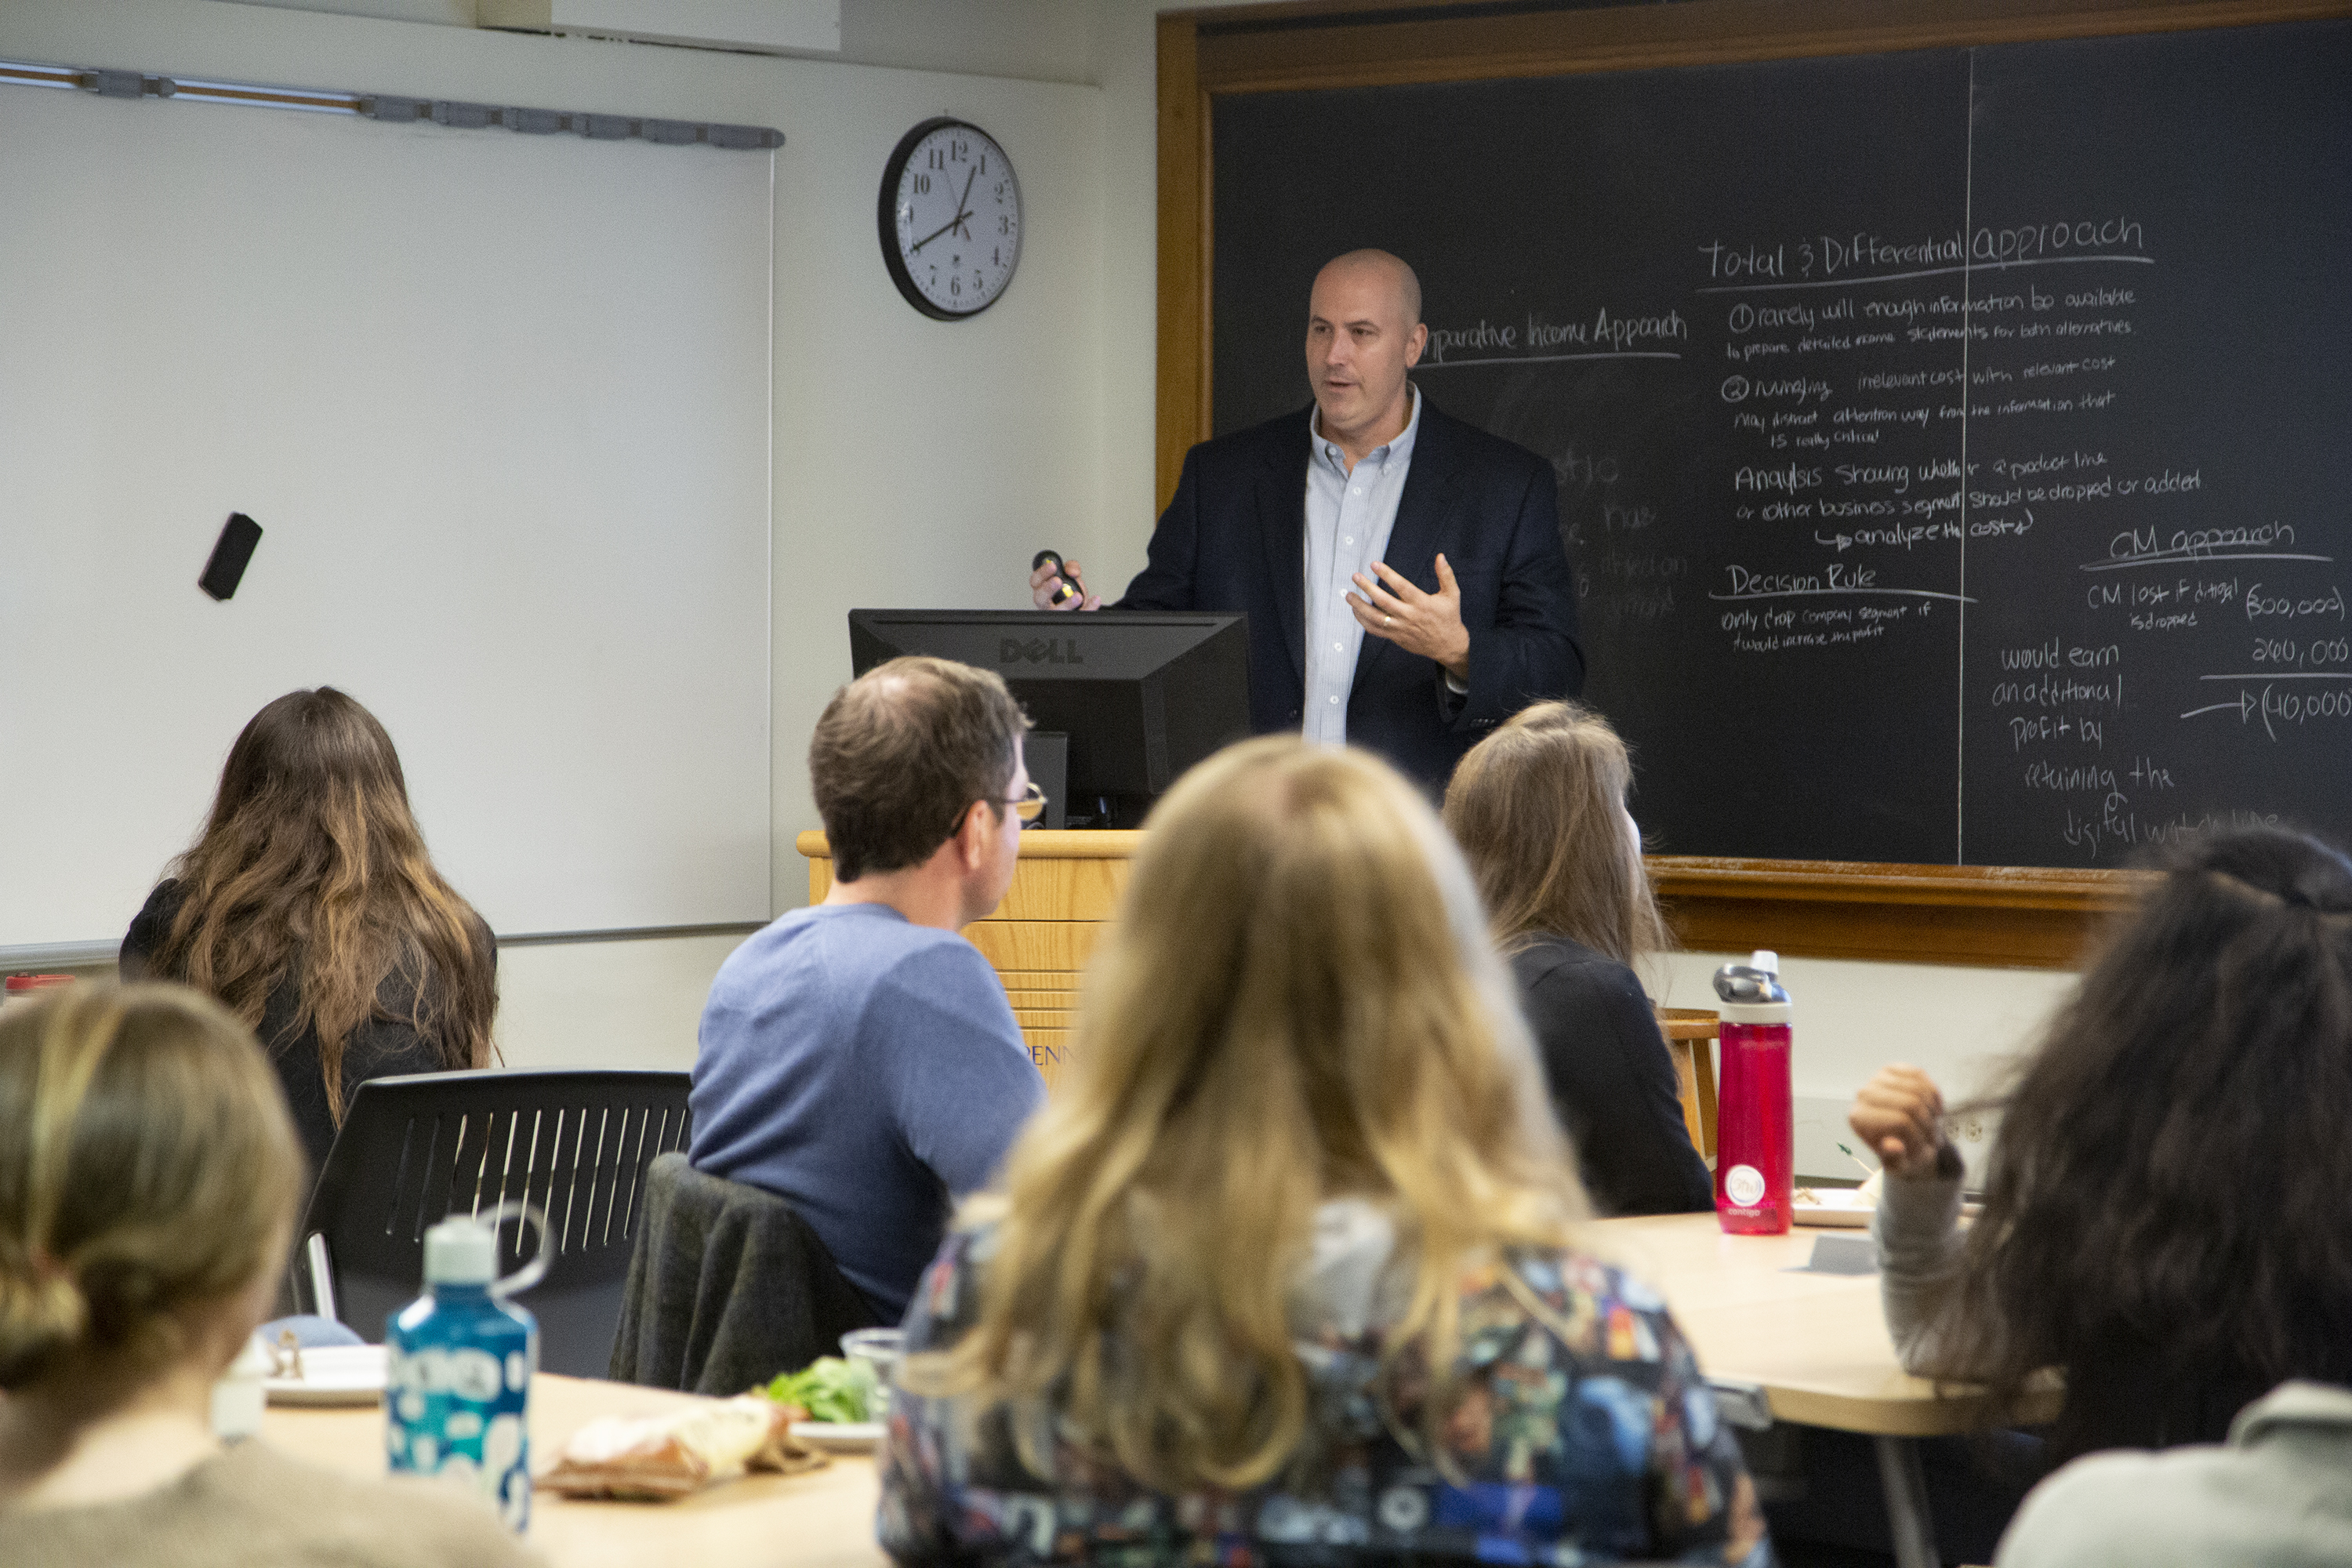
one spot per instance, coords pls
(887, 219)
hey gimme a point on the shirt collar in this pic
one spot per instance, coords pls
(1399, 447)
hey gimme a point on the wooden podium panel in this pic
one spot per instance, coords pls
(1039, 938)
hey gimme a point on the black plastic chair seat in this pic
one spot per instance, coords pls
(413, 1150)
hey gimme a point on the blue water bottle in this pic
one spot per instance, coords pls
(457, 1367)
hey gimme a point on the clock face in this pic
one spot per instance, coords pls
(950, 217)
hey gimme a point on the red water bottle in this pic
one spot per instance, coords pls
(1756, 1144)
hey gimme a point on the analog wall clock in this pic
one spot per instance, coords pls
(950, 217)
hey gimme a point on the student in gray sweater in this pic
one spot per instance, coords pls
(2278, 1496)
(149, 1176)
(2167, 1217)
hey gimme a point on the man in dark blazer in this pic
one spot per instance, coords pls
(1401, 568)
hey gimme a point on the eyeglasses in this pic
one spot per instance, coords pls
(1030, 807)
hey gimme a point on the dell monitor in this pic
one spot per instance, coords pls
(1142, 694)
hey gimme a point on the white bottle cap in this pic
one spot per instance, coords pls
(1751, 992)
(460, 1251)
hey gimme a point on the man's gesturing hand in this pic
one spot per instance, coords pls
(1427, 623)
(1898, 1113)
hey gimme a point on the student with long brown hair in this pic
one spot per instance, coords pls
(148, 1180)
(2168, 1207)
(307, 905)
(1288, 1261)
(1539, 807)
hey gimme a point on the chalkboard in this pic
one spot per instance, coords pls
(1954, 446)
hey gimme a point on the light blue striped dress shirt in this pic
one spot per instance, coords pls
(1349, 517)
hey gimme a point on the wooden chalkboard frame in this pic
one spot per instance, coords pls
(2018, 917)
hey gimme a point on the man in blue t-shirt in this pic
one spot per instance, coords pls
(859, 1058)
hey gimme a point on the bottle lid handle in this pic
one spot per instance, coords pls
(1748, 984)
(533, 1272)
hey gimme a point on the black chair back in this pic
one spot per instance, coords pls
(413, 1150)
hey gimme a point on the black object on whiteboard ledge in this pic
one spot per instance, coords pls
(234, 549)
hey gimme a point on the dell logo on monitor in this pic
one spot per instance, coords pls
(1038, 650)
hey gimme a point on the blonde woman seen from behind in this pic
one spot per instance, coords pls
(148, 1182)
(1539, 807)
(1287, 1264)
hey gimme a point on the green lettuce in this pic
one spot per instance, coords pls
(829, 1389)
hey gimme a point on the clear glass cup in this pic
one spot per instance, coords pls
(877, 1352)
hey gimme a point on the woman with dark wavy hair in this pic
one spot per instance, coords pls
(2167, 1215)
(308, 906)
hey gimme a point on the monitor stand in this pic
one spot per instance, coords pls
(1110, 811)
(1047, 755)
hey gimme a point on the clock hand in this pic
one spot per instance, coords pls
(937, 232)
(963, 212)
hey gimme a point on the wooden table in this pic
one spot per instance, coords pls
(817, 1520)
(1815, 1345)
(1808, 1348)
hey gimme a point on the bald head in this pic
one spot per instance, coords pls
(1363, 333)
(1385, 271)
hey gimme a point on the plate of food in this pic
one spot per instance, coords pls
(842, 1437)
(845, 1400)
(1845, 1208)
(327, 1375)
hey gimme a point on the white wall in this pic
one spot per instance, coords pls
(605, 1004)
(1962, 1024)
(915, 460)
(1035, 40)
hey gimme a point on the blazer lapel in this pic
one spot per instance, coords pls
(1420, 525)
(1281, 500)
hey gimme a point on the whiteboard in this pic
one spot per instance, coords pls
(501, 406)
